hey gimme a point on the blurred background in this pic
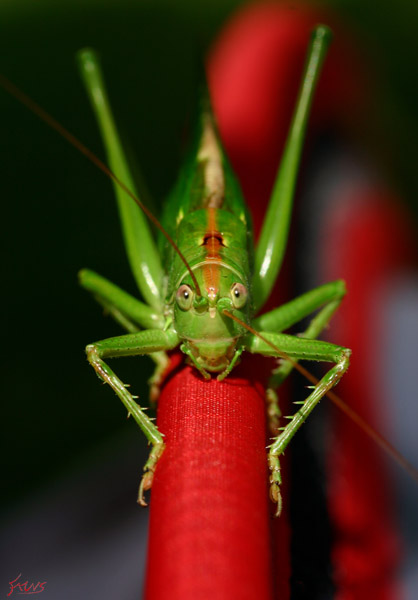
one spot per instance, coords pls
(70, 462)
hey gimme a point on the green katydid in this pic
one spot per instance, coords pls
(207, 218)
(216, 284)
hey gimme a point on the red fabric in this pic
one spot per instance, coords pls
(209, 528)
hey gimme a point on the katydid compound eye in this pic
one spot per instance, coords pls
(184, 297)
(239, 295)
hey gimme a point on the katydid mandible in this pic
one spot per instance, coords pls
(209, 297)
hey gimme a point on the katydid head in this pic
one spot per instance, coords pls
(209, 337)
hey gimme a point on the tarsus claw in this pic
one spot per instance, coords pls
(276, 497)
(149, 469)
(146, 484)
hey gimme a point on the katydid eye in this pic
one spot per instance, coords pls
(184, 297)
(239, 295)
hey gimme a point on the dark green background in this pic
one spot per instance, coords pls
(58, 211)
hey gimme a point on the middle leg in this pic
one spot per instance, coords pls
(283, 317)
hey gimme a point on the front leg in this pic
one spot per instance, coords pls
(143, 342)
(296, 349)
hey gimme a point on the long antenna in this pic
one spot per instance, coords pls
(14, 91)
(350, 412)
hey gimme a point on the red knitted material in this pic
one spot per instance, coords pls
(209, 524)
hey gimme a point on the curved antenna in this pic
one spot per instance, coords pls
(14, 91)
(350, 412)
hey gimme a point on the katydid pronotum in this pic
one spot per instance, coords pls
(207, 303)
